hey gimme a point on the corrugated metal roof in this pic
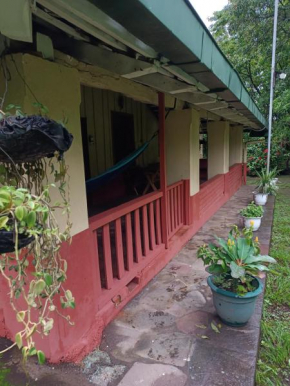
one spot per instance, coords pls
(174, 30)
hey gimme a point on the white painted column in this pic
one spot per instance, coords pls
(236, 145)
(245, 153)
(218, 148)
(182, 147)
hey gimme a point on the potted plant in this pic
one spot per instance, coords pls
(252, 216)
(27, 138)
(30, 236)
(274, 180)
(17, 218)
(264, 188)
(234, 264)
(35, 274)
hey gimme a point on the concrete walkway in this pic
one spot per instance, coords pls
(170, 335)
(166, 336)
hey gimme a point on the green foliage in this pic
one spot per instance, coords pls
(17, 111)
(266, 184)
(273, 367)
(33, 215)
(4, 372)
(40, 357)
(228, 283)
(252, 211)
(257, 157)
(237, 257)
(35, 274)
(20, 210)
(243, 30)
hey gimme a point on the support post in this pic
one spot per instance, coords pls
(236, 145)
(218, 148)
(272, 85)
(245, 164)
(163, 179)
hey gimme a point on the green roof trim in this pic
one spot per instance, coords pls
(195, 36)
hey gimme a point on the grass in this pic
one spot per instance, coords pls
(3, 374)
(273, 368)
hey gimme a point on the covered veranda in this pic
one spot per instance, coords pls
(164, 335)
(194, 91)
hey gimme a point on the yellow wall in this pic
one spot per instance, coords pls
(236, 144)
(194, 152)
(58, 88)
(218, 148)
(96, 107)
(182, 147)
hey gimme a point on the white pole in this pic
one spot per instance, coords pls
(272, 84)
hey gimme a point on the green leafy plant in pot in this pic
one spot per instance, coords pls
(235, 264)
(273, 181)
(265, 187)
(252, 216)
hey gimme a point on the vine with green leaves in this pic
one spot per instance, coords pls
(35, 273)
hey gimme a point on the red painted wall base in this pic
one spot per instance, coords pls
(71, 344)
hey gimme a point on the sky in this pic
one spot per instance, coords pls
(205, 8)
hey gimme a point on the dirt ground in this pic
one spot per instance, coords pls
(14, 373)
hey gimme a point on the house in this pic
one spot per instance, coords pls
(122, 72)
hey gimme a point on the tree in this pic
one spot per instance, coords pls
(243, 30)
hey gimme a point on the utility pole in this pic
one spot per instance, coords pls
(272, 84)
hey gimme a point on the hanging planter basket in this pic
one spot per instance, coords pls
(29, 138)
(7, 241)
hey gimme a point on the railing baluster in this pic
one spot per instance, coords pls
(137, 235)
(107, 257)
(171, 210)
(168, 213)
(152, 226)
(181, 208)
(119, 248)
(182, 203)
(129, 241)
(175, 203)
(98, 284)
(145, 230)
(158, 222)
(178, 205)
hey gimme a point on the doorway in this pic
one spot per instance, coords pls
(123, 136)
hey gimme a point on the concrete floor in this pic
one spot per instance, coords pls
(167, 335)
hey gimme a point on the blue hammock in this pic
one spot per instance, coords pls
(95, 182)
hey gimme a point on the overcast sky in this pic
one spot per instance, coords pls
(205, 8)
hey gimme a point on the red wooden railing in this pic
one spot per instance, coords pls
(175, 207)
(129, 236)
(125, 236)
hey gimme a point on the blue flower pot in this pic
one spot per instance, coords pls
(235, 310)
